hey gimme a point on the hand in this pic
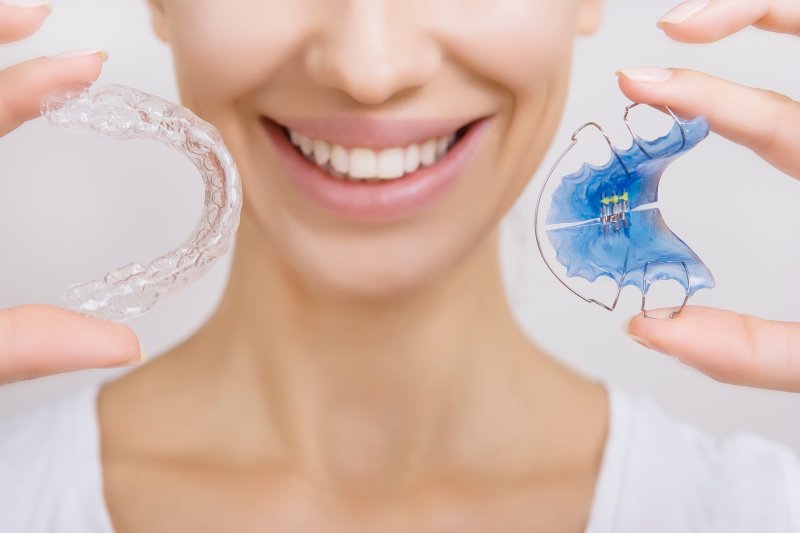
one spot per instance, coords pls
(728, 346)
(37, 340)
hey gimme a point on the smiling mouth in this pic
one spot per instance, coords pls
(375, 170)
(367, 165)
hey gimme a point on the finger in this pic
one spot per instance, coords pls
(17, 22)
(23, 86)
(37, 340)
(701, 21)
(765, 121)
(729, 347)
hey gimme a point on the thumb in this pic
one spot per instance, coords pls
(727, 346)
(38, 340)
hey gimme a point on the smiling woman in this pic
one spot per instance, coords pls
(363, 370)
(377, 76)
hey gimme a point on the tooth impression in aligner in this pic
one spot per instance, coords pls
(119, 112)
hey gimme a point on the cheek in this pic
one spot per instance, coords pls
(225, 49)
(523, 48)
(518, 44)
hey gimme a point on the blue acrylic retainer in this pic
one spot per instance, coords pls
(603, 220)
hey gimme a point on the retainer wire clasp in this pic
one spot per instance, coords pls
(645, 282)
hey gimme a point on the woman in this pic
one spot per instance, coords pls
(363, 371)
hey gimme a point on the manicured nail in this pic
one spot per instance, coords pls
(143, 357)
(135, 361)
(644, 342)
(627, 323)
(646, 74)
(81, 53)
(683, 12)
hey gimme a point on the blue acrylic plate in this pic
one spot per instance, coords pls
(603, 220)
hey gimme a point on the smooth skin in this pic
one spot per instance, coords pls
(291, 408)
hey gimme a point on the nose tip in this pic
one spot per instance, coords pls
(372, 56)
(371, 78)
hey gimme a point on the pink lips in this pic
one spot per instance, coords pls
(377, 201)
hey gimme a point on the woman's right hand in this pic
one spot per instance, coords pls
(37, 340)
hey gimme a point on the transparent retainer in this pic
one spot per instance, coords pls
(119, 112)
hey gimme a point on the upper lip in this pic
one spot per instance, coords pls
(372, 132)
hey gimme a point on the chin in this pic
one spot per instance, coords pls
(363, 269)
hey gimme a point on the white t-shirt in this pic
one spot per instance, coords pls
(659, 474)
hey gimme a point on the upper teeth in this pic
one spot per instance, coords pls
(365, 163)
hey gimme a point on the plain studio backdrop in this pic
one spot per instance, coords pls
(73, 207)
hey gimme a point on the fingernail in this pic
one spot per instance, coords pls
(626, 325)
(81, 53)
(27, 3)
(142, 354)
(643, 342)
(646, 343)
(646, 74)
(683, 12)
(136, 361)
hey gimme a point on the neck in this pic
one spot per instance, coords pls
(369, 393)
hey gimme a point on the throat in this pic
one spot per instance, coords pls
(368, 394)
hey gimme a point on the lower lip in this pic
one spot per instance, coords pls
(377, 201)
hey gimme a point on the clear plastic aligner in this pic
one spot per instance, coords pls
(120, 112)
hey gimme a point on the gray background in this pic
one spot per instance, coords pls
(77, 207)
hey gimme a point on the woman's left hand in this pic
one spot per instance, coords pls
(728, 346)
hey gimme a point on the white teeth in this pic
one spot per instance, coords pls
(412, 158)
(322, 152)
(367, 164)
(391, 163)
(363, 163)
(428, 152)
(306, 145)
(340, 159)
